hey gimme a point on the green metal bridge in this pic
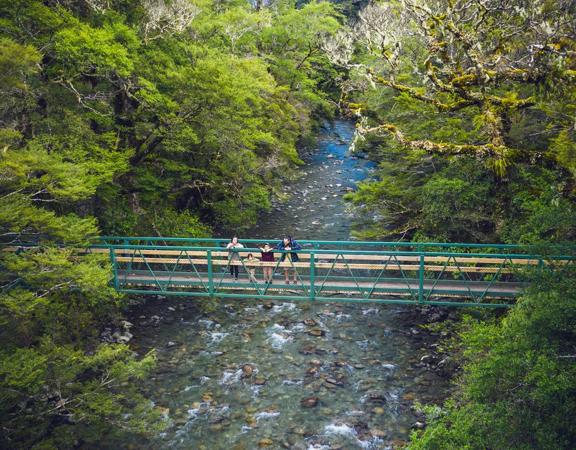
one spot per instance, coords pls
(330, 271)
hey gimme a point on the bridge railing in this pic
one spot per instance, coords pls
(436, 274)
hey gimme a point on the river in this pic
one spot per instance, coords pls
(283, 375)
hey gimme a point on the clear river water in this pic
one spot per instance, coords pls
(283, 375)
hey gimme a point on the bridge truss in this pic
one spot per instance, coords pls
(330, 271)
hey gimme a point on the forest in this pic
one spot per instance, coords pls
(186, 117)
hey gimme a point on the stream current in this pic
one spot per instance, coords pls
(256, 374)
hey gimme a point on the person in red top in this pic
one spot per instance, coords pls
(267, 258)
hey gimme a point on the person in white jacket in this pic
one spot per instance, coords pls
(234, 257)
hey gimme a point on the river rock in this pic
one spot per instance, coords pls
(312, 371)
(251, 421)
(310, 322)
(426, 359)
(247, 371)
(378, 433)
(260, 381)
(377, 397)
(164, 411)
(333, 382)
(409, 396)
(316, 332)
(266, 442)
(307, 350)
(419, 425)
(378, 410)
(309, 402)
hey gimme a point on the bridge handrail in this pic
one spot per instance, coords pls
(343, 252)
(306, 243)
(315, 242)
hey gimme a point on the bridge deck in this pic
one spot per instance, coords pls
(345, 287)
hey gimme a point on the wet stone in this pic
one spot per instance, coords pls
(316, 332)
(333, 382)
(247, 371)
(378, 433)
(307, 350)
(409, 396)
(377, 397)
(309, 402)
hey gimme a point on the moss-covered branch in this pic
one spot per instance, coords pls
(444, 148)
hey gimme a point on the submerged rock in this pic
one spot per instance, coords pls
(247, 371)
(307, 350)
(333, 382)
(378, 433)
(309, 402)
(377, 397)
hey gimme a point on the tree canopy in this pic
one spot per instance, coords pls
(153, 117)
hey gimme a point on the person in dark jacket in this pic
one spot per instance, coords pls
(286, 246)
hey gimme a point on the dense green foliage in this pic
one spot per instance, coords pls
(129, 117)
(484, 99)
(518, 390)
(177, 117)
(468, 107)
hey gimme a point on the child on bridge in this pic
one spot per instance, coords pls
(267, 253)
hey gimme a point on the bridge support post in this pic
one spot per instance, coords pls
(421, 280)
(312, 276)
(114, 268)
(126, 242)
(210, 273)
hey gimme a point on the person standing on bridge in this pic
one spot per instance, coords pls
(267, 258)
(287, 245)
(234, 257)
